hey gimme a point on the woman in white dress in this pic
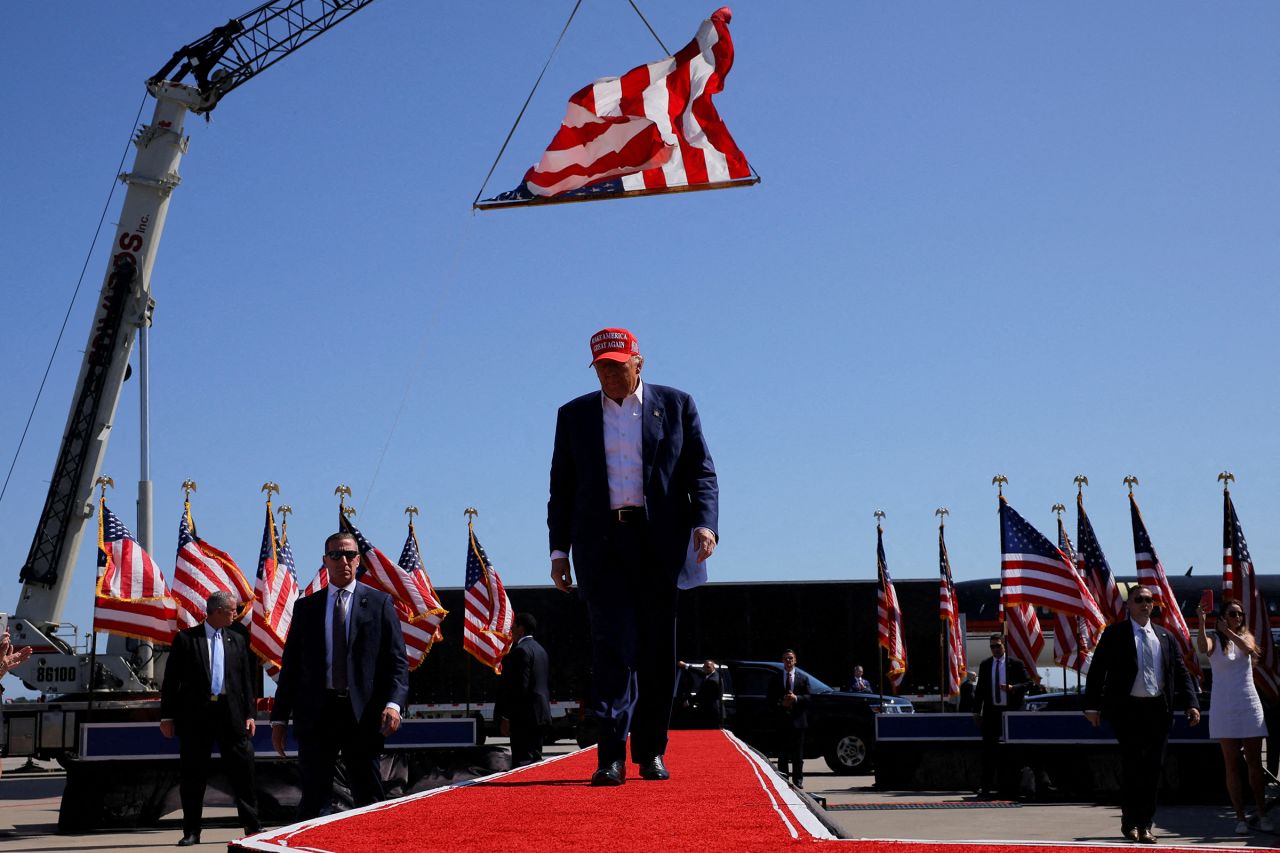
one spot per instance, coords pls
(1235, 713)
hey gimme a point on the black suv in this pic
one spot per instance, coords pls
(842, 725)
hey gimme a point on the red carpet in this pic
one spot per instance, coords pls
(721, 797)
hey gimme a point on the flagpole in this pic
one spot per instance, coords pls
(943, 646)
(470, 513)
(999, 481)
(102, 482)
(881, 652)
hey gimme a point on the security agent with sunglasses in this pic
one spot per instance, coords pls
(1002, 686)
(1136, 682)
(343, 679)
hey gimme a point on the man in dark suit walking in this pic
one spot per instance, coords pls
(524, 700)
(206, 697)
(1002, 686)
(634, 498)
(789, 697)
(343, 679)
(1136, 681)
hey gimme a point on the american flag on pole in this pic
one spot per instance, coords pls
(411, 561)
(1239, 581)
(889, 616)
(1071, 642)
(200, 571)
(274, 594)
(415, 601)
(1151, 574)
(651, 130)
(952, 632)
(132, 599)
(1033, 571)
(1093, 565)
(486, 626)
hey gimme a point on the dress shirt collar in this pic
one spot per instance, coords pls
(209, 631)
(350, 588)
(638, 394)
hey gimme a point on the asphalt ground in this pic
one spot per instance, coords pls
(29, 804)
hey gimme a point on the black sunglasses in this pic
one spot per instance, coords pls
(342, 555)
(1143, 599)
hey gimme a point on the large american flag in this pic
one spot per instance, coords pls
(274, 595)
(952, 631)
(486, 625)
(889, 616)
(1093, 565)
(1071, 642)
(132, 599)
(652, 129)
(200, 571)
(1033, 571)
(1151, 573)
(1239, 581)
(415, 601)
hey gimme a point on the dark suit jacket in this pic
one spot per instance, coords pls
(797, 716)
(680, 489)
(377, 670)
(184, 692)
(1016, 677)
(1115, 666)
(523, 695)
(710, 701)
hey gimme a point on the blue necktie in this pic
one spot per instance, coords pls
(215, 665)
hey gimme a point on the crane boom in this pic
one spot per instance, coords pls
(224, 59)
(245, 46)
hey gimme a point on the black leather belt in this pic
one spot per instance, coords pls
(628, 515)
(340, 694)
(214, 697)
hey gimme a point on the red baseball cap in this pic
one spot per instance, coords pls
(614, 345)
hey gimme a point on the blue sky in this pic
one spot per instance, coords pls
(1030, 239)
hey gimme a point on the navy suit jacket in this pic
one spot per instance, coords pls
(1115, 666)
(797, 716)
(523, 695)
(680, 490)
(377, 670)
(184, 692)
(1015, 675)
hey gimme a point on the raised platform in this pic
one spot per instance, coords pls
(939, 752)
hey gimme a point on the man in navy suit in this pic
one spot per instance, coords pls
(1002, 686)
(1136, 681)
(206, 698)
(788, 696)
(634, 500)
(523, 709)
(343, 679)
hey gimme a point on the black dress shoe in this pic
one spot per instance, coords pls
(654, 769)
(253, 830)
(1145, 836)
(189, 840)
(609, 775)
